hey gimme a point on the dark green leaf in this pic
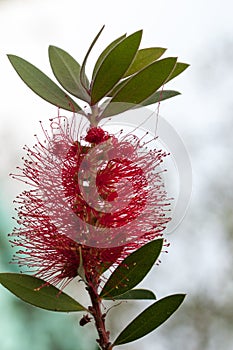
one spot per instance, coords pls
(176, 70)
(42, 85)
(156, 97)
(132, 270)
(114, 66)
(105, 53)
(27, 288)
(83, 77)
(67, 72)
(134, 294)
(179, 68)
(140, 86)
(159, 96)
(143, 58)
(150, 319)
(118, 86)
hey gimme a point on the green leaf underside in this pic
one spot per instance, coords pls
(48, 297)
(67, 71)
(42, 85)
(83, 78)
(150, 319)
(132, 270)
(140, 86)
(114, 66)
(179, 68)
(105, 53)
(160, 96)
(135, 294)
(156, 97)
(143, 58)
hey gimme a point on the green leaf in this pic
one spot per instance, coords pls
(83, 77)
(150, 319)
(134, 294)
(159, 96)
(140, 86)
(143, 58)
(42, 85)
(179, 68)
(105, 53)
(118, 86)
(114, 66)
(132, 270)
(49, 297)
(67, 72)
(156, 97)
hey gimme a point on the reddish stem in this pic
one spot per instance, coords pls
(99, 318)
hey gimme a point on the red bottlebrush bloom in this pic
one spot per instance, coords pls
(95, 198)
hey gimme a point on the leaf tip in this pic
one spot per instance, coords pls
(9, 56)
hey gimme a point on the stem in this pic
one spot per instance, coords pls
(93, 117)
(99, 318)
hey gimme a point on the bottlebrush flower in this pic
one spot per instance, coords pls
(94, 198)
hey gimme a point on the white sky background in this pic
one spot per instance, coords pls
(189, 29)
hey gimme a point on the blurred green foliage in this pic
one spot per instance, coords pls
(25, 327)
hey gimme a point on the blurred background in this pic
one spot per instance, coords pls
(200, 259)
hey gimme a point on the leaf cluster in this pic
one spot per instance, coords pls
(124, 77)
(119, 286)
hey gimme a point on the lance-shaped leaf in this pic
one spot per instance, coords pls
(143, 58)
(150, 319)
(159, 96)
(114, 66)
(67, 71)
(140, 86)
(179, 68)
(135, 294)
(132, 270)
(48, 297)
(42, 85)
(105, 53)
(156, 97)
(83, 77)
